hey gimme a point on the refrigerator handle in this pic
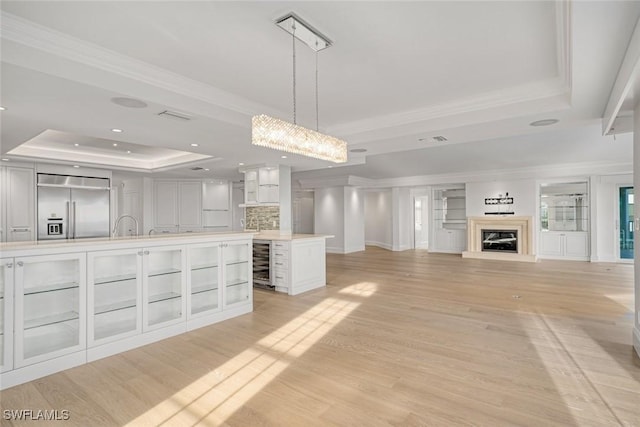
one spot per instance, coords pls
(68, 221)
(74, 220)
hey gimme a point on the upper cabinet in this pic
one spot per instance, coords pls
(268, 185)
(19, 194)
(177, 205)
(215, 195)
(264, 185)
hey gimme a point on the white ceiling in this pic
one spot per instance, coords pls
(476, 72)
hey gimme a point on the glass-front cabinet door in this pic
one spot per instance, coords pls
(50, 318)
(204, 279)
(236, 258)
(114, 295)
(164, 286)
(6, 314)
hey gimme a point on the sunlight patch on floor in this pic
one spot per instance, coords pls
(214, 397)
(581, 397)
(362, 289)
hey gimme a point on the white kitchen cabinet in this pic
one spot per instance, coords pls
(177, 206)
(215, 195)
(190, 204)
(20, 204)
(114, 295)
(298, 265)
(216, 204)
(50, 307)
(236, 273)
(449, 220)
(281, 266)
(166, 202)
(6, 314)
(262, 185)
(204, 277)
(251, 186)
(572, 245)
(268, 185)
(164, 286)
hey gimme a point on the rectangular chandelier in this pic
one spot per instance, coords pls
(281, 135)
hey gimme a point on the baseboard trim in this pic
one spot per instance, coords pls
(382, 245)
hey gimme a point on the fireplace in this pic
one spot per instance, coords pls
(482, 244)
(500, 241)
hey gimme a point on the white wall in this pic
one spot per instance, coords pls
(303, 212)
(353, 219)
(524, 193)
(402, 217)
(378, 221)
(329, 216)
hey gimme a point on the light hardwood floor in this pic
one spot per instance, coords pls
(406, 338)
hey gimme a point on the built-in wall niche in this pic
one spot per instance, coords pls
(564, 206)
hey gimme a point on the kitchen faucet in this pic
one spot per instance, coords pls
(115, 227)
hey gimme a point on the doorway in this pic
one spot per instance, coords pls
(626, 202)
(420, 222)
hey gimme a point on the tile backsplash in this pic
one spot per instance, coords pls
(262, 218)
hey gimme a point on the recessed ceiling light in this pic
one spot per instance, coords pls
(329, 166)
(283, 157)
(115, 144)
(5, 160)
(544, 122)
(128, 152)
(358, 150)
(76, 144)
(206, 169)
(240, 164)
(116, 130)
(194, 145)
(129, 102)
(76, 166)
(2, 108)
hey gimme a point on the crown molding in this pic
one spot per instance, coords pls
(27, 33)
(536, 91)
(538, 172)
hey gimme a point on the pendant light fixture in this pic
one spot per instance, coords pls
(281, 135)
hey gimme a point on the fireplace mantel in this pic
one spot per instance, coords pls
(524, 226)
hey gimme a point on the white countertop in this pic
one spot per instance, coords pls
(289, 237)
(106, 243)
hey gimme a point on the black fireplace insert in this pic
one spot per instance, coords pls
(500, 241)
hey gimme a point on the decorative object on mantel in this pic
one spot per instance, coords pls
(499, 202)
(281, 135)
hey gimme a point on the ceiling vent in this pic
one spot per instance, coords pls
(439, 138)
(175, 115)
(197, 168)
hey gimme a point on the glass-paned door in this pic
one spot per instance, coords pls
(204, 273)
(626, 222)
(237, 284)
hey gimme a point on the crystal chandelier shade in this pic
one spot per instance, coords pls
(281, 135)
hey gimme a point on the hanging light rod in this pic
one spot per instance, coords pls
(304, 32)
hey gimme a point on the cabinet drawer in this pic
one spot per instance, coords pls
(280, 264)
(280, 255)
(280, 278)
(280, 246)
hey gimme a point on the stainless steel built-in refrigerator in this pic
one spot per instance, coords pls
(72, 207)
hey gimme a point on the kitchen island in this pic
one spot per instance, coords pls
(297, 261)
(65, 303)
